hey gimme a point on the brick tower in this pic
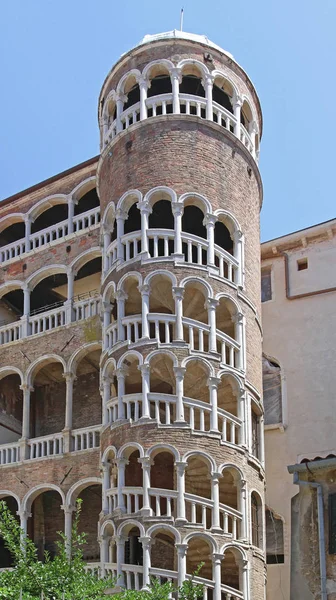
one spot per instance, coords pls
(182, 438)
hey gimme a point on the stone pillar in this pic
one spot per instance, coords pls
(120, 297)
(121, 217)
(215, 523)
(120, 542)
(146, 544)
(144, 291)
(70, 297)
(253, 130)
(241, 400)
(177, 209)
(106, 397)
(238, 246)
(181, 562)
(208, 85)
(211, 305)
(217, 576)
(145, 211)
(69, 380)
(68, 510)
(106, 469)
(178, 293)
(145, 373)
(180, 484)
(145, 462)
(176, 79)
(107, 308)
(120, 374)
(106, 243)
(120, 100)
(24, 516)
(104, 543)
(262, 441)
(121, 464)
(71, 214)
(209, 222)
(26, 312)
(213, 383)
(237, 104)
(239, 322)
(26, 410)
(143, 85)
(243, 510)
(179, 377)
(28, 223)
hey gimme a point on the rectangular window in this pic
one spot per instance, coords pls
(332, 524)
(302, 264)
(266, 284)
(255, 434)
(274, 539)
(272, 393)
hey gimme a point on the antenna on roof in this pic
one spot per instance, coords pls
(181, 20)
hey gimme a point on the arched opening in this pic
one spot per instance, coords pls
(199, 551)
(50, 216)
(133, 221)
(275, 553)
(47, 518)
(272, 391)
(133, 302)
(109, 535)
(223, 238)
(6, 558)
(87, 409)
(87, 202)
(110, 111)
(225, 313)
(162, 377)
(87, 279)
(256, 520)
(246, 117)
(50, 292)
(11, 307)
(162, 477)
(47, 402)
(163, 552)
(161, 295)
(11, 405)
(227, 395)
(230, 570)
(133, 379)
(198, 485)
(159, 83)
(222, 93)
(194, 302)
(14, 232)
(229, 495)
(192, 85)
(161, 216)
(133, 479)
(192, 221)
(133, 553)
(256, 429)
(132, 91)
(91, 506)
(196, 388)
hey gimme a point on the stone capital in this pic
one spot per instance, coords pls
(210, 219)
(177, 209)
(178, 292)
(144, 289)
(179, 372)
(176, 73)
(121, 214)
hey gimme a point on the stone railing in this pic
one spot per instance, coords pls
(86, 438)
(45, 446)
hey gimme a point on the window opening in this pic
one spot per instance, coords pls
(302, 264)
(12, 234)
(266, 284)
(51, 216)
(255, 435)
(87, 202)
(133, 96)
(272, 393)
(192, 85)
(223, 237)
(332, 523)
(274, 539)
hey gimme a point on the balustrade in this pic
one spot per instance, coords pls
(86, 438)
(10, 333)
(9, 453)
(47, 320)
(86, 308)
(45, 446)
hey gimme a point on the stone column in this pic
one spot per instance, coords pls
(213, 383)
(120, 297)
(106, 469)
(24, 516)
(211, 305)
(209, 221)
(120, 218)
(237, 104)
(180, 484)
(215, 522)
(253, 130)
(121, 464)
(106, 243)
(28, 223)
(177, 209)
(179, 377)
(71, 214)
(120, 374)
(68, 510)
(69, 380)
(143, 86)
(239, 322)
(106, 396)
(178, 293)
(70, 297)
(242, 415)
(176, 78)
(208, 85)
(104, 543)
(27, 389)
(262, 441)
(145, 462)
(144, 291)
(181, 562)
(145, 373)
(146, 544)
(145, 211)
(120, 542)
(243, 509)
(26, 311)
(120, 100)
(238, 240)
(107, 309)
(217, 576)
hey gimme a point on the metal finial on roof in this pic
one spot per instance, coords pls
(181, 19)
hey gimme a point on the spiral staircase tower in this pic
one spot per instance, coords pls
(182, 444)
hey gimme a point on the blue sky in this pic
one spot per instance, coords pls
(54, 56)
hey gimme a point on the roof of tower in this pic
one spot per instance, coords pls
(177, 34)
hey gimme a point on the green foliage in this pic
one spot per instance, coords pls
(66, 579)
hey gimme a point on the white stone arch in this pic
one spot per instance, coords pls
(109, 291)
(122, 82)
(161, 352)
(128, 199)
(44, 272)
(160, 189)
(205, 536)
(83, 187)
(46, 203)
(5, 493)
(80, 260)
(211, 462)
(111, 97)
(78, 487)
(36, 491)
(129, 275)
(229, 220)
(130, 445)
(197, 63)
(107, 451)
(131, 523)
(109, 215)
(10, 286)
(219, 73)
(164, 448)
(4, 371)
(45, 358)
(77, 356)
(163, 527)
(108, 368)
(9, 220)
(199, 359)
(201, 201)
(236, 379)
(232, 466)
(234, 547)
(230, 299)
(104, 526)
(252, 109)
(165, 62)
(127, 354)
(165, 273)
(202, 283)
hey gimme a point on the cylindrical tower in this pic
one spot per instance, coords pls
(180, 192)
